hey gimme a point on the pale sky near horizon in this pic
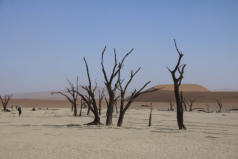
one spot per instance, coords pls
(42, 43)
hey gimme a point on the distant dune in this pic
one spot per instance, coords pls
(192, 91)
(164, 94)
(184, 88)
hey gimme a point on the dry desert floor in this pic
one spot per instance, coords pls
(56, 134)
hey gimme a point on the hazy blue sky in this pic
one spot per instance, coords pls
(42, 42)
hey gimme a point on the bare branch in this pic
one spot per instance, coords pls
(103, 69)
(63, 94)
(175, 44)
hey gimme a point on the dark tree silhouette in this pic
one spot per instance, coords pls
(111, 83)
(70, 93)
(82, 104)
(219, 103)
(150, 117)
(100, 98)
(90, 98)
(88, 112)
(178, 69)
(125, 105)
(190, 102)
(5, 100)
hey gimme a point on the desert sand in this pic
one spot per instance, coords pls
(52, 132)
(56, 134)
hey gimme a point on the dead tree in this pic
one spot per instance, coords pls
(126, 103)
(70, 93)
(150, 118)
(111, 83)
(81, 106)
(219, 103)
(5, 100)
(178, 69)
(100, 98)
(90, 99)
(190, 102)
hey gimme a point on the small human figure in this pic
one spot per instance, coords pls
(19, 110)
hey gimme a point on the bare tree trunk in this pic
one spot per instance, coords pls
(183, 101)
(219, 103)
(190, 104)
(4, 108)
(88, 112)
(179, 109)
(120, 119)
(109, 113)
(150, 118)
(75, 108)
(185, 105)
(100, 98)
(81, 107)
(96, 120)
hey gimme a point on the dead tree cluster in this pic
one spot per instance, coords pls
(178, 69)
(111, 82)
(114, 83)
(5, 100)
(116, 89)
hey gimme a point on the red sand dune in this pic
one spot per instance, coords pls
(202, 94)
(183, 87)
